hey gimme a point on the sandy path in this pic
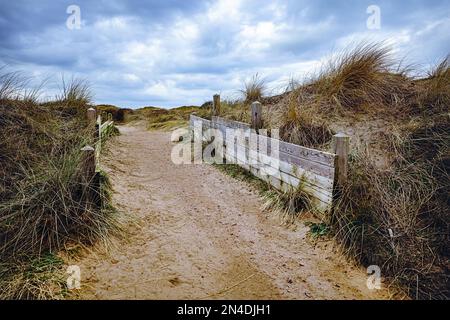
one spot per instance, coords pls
(196, 233)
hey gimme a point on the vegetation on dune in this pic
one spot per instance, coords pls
(359, 77)
(118, 114)
(47, 196)
(254, 89)
(165, 119)
(394, 210)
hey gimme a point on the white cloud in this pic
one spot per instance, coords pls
(168, 54)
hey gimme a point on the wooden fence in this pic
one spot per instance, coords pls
(102, 129)
(286, 166)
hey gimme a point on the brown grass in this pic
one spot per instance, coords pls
(362, 76)
(395, 209)
(48, 199)
(166, 119)
(254, 89)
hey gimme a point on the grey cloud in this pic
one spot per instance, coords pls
(142, 52)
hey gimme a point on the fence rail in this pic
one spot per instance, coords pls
(102, 129)
(317, 173)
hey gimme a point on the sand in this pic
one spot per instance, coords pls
(193, 232)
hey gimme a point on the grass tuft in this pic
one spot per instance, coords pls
(48, 197)
(254, 89)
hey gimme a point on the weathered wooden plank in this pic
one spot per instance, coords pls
(242, 156)
(318, 191)
(297, 151)
(304, 163)
(316, 181)
(296, 171)
(297, 167)
(231, 123)
(307, 153)
(205, 122)
(307, 165)
(256, 115)
(341, 146)
(312, 155)
(316, 202)
(243, 164)
(222, 128)
(313, 173)
(230, 158)
(105, 126)
(269, 179)
(326, 197)
(312, 178)
(216, 105)
(315, 190)
(288, 184)
(311, 165)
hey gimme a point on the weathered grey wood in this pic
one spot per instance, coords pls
(89, 155)
(91, 115)
(317, 203)
(311, 166)
(314, 179)
(319, 156)
(317, 181)
(296, 167)
(98, 125)
(305, 163)
(231, 123)
(216, 105)
(341, 147)
(321, 191)
(256, 116)
(104, 126)
(322, 157)
(222, 129)
(206, 124)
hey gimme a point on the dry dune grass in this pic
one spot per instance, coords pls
(254, 89)
(394, 213)
(394, 210)
(164, 119)
(361, 77)
(47, 195)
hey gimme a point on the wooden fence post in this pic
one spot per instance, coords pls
(98, 127)
(89, 156)
(92, 176)
(216, 105)
(341, 147)
(98, 136)
(91, 115)
(256, 115)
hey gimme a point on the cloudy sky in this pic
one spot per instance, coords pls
(179, 52)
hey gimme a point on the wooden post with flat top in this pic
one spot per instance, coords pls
(91, 115)
(341, 147)
(216, 105)
(90, 162)
(256, 115)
